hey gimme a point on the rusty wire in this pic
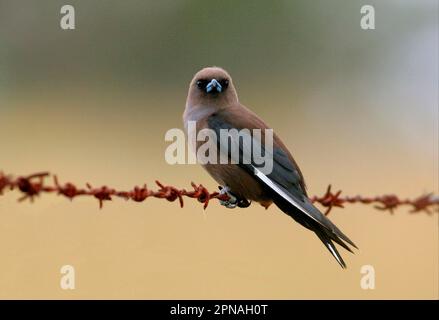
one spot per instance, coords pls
(34, 185)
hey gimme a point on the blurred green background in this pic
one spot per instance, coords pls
(358, 109)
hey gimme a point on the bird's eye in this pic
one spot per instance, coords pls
(224, 83)
(201, 84)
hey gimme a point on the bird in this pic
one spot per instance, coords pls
(212, 103)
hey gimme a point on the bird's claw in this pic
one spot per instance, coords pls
(233, 201)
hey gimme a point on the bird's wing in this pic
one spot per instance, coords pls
(285, 181)
(285, 170)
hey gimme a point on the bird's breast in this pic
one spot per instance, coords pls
(197, 114)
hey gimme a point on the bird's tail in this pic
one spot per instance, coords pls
(298, 206)
(327, 232)
(327, 240)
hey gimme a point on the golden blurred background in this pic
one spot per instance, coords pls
(358, 109)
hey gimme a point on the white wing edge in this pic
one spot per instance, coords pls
(282, 193)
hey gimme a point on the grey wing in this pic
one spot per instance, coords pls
(284, 182)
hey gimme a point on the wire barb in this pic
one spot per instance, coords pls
(32, 186)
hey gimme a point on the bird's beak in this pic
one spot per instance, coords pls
(214, 84)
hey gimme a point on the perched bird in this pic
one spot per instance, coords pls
(213, 103)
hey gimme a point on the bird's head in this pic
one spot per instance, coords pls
(212, 86)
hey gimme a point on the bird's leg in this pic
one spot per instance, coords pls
(233, 201)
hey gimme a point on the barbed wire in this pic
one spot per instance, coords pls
(33, 185)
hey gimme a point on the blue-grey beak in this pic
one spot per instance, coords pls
(214, 84)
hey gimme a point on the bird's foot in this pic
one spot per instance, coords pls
(233, 200)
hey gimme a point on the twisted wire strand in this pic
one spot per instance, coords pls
(34, 185)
